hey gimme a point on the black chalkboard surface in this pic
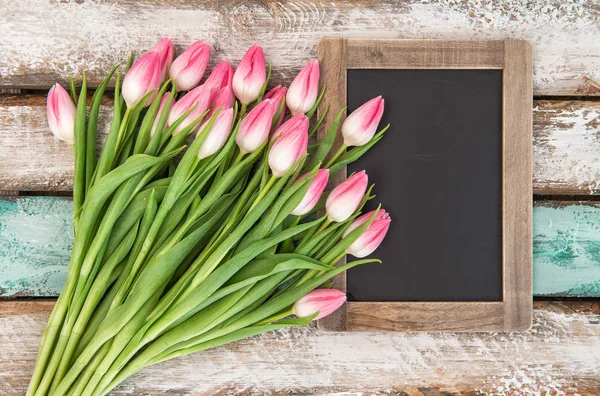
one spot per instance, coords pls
(438, 172)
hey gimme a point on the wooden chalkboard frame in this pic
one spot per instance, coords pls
(514, 58)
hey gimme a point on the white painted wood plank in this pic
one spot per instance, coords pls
(32, 158)
(559, 355)
(43, 41)
(566, 147)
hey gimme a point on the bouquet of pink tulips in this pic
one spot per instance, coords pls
(180, 250)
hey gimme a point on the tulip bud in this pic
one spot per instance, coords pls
(287, 149)
(163, 102)
(200, 97)
(324, 301)
(254, 128)
(250, 75)
(345, 198)
(373, 235)
(303, 91)
(221, 76)
(299, 121)
(165, 51)
(277, 95)
(223, 100)
(314, 192)
(61, 114)
(218, 134)
(143, 77)
(360, 126)
(189, 67)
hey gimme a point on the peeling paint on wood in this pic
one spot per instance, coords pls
(43, 41)
(32, 158)
(566, 147)
(566, 250)
(559, 355)
(36, 237)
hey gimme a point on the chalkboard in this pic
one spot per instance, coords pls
(438, 172)
(454, 171)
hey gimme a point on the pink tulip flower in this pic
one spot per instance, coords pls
(315, 190)
(163, 103)
(345, 198)
(189, 67)
(221, 76)
(199, 96)
(165, 51)
(299, 121)
(254, 128)
(250, 75)
(361, 125)
(324, 301)
(287, 149)
(373, 235)
(144, 76)
(61, 114)
(224, 99)
(218, 134)
(277, 95)
(304, 90)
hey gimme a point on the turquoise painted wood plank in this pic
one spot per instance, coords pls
(566, 249)
(36, 237)
(36, 234)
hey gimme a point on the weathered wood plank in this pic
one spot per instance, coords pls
(559, 355)
(566, 147)
(32, 158)
(37, 50)
(566, 249)
(36, 237)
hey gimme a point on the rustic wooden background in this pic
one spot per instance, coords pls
(45, 41)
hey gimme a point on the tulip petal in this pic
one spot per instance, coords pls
(345, 198)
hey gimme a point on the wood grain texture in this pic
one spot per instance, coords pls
(36, 235)
(426, 316)
(559, 355)
(517, 201)
(332, 59)
(566, 147)
(425, 54)
(565, 249)
(32, 158)
(38, 50)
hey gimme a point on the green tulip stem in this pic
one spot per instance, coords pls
(323, 225)
(237, 159)
(338, 258)
(264, 191)
(278, 316)
(123, 126)
(336, 156)
(314, 232)
(243, 110)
